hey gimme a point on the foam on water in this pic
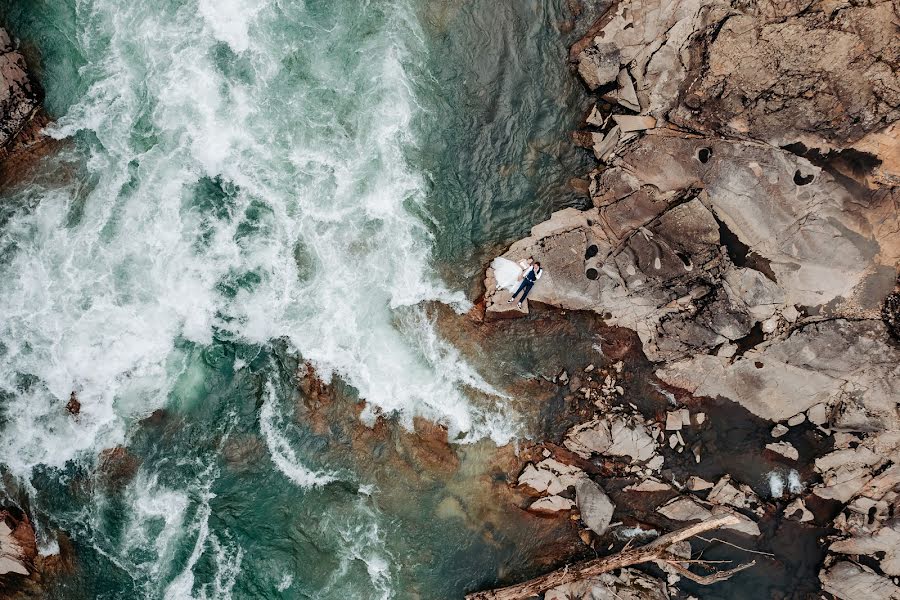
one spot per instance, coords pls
(280, 448)
(312, 234)
(777, 482)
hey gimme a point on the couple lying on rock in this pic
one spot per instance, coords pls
(517, 277)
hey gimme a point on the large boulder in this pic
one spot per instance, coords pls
(594, 505)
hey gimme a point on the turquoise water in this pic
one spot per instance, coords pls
(249, 185)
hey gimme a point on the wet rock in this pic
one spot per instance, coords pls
(19, 95)
(73, 406)
(850, 581)
(628, 584)
(18, 548)
(594, 505)
(117, 466)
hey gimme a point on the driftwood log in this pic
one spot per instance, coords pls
(657, 550)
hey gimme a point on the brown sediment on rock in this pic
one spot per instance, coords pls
(117, 467)
(466, 483)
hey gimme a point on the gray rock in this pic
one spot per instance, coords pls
(885, 540)
(850, 581)
(550, 505)
(599, 65)
(594, 505)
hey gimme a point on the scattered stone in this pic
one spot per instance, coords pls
(550, 505)
(779, 430)
(817, 414)
(563, 378)
(796, 420)
(797, 510)
(790, 314)
(674, 421)
(628, 123)
(619, 436)
(696, 484)
(700, 418)
(726, 493)
(785, 449)
(594, 505)
(595, 118)
(649, 485)
(884, 542)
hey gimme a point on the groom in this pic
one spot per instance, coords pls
(532, 274)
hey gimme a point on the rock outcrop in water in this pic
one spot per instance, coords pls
(19, 95)
(746, 224)
(17, 544)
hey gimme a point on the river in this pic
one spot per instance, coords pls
(246, 187)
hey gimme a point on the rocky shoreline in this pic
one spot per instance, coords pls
(745, 225)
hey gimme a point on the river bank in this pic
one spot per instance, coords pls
(745, 226)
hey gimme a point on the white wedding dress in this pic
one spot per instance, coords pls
(507, 273)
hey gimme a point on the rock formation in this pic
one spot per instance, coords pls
(745, 223)
(20, 97)
(18, 548)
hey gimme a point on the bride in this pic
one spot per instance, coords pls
(508, 273)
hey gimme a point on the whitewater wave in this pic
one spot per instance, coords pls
(251, 185)
(280, 448)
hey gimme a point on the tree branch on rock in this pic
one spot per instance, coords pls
(657, 550)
